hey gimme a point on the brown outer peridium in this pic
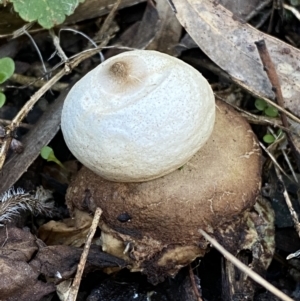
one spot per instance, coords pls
(216, 185)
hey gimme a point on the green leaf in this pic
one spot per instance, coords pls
(280, 133)
(271, 111)
(47, 153)
(269, 138)
(48, 13)
(260, 104)
(7, 69)
(2, 99)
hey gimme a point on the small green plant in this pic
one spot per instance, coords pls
(269, 138)
(47, 13)
(47, 153)
(7, 69)
(264, 107)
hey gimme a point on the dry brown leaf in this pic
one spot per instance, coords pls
(169, 32)
(18, 279)
(45, 129)
(50, 260)
(69, 232)
(230, 44)
(241, 8)
(140, 34)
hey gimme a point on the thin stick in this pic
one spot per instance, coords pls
(293, 10)
(194, 285)
(23, 112)
(272, 75)
(22, 125)
(267, 100)
(109, 18)
(36, 96)
(257, 278)
(59, 50)
(86, 37)
(35, 82)
(28, 106)
(75, 286)
(274, 160)
(274, 80)
(288, 202)
(252, 118)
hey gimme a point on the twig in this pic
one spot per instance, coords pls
(272, 75)
(288, 161)
(35, 82)
(23, 112)
(252, 118)
(195, 289)
(274, 80)
(28, 106)
(45, 129)
(36, 96)
(257, 278)
(281, 141)
(109, 18)
(274, 160)
(288, 202)
(22, 125)
(75, 286)
(85, 36)
(59, 50)
(267, 100)
(293, 10)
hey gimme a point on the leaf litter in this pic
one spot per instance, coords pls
(229, 43)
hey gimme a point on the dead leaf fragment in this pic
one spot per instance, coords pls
(169, 30)
(140, 34)
(241, 8)
(69, 232)
(60, 262)
(18, 279)
(230, 44)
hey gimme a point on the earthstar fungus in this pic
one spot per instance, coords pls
(144, 122)
(154, 224)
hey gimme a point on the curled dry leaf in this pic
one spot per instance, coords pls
(18, 278)
(69, 232)
(60, 262)
(222, 37)
(30, 269)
